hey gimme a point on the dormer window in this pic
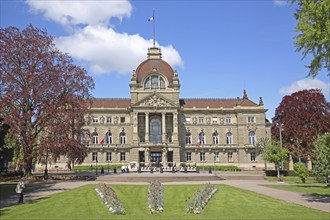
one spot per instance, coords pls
(154, 82)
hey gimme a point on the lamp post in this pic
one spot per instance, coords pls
(96, 167)
(281, 124)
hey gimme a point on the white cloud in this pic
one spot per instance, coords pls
(281, 3)
(93, 42)
(306, 84)
(108, 51)
(81, 12)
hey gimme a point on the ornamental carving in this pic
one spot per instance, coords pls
(102, 120)
(251, 127)
(222, 120)
(155, 102)
(194, 120)
(208, 120)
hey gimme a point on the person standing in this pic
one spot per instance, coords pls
(20, 189)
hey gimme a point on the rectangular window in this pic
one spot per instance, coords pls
(253, 156)
(95, 120)
(216, 156)
(122, 119)
(109, 141)
(215, 139)
(109, 120)
(188, 156)
(188, 139)
(228, 120)
(94, 156)
(187, 120)
(95, 139)
(109, 156)
(251, 119)
(229, 138)
(201, 120)
(122, 156)
(122, 139)
(230, 157)
(202, 156)
(214, 120)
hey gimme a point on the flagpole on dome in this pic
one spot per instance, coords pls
(153, 27)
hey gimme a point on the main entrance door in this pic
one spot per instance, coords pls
(155, 158)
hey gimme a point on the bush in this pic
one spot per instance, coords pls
(86, 168)
(282, 172)
(301, 171)
(219, 168)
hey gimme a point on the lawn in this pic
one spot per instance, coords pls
(227, 203)
(293, 180)
(306, 189)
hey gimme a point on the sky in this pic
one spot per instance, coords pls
(219, 48)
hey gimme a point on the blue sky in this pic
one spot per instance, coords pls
(219, 48)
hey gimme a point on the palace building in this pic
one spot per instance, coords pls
(155, 127)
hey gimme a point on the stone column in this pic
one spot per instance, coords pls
(135, 128)
(309, 163)
(175, 127)
(147, 128)
(290, 163)
(163, 127)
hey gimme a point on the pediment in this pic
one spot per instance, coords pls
(155, 101)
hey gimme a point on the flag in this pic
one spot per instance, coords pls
(105, 139)
(200, 139)
(151, 18)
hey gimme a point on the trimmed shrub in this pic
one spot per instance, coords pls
(219, 168)
(301, 170)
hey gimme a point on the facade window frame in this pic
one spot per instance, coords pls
(228, 120)
(214, 120)
(252, 138)
(216, 157)
(95, 120)
(253, 156)
(251, 119)
(109, 120)
(94, 156)
(202, 156)
(229, 138)
(230, 157)
(188, 156)
(109, 156)
(122, 156)
(215, 138)
(95, 138)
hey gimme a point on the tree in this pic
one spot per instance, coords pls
(301, 170)
(39, 87)
(314, 33)
(6, 151)
(274, 153)
(303, 115)
(322, 158)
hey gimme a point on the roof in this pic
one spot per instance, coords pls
(111, 103)
(216, 103)
(160, 65)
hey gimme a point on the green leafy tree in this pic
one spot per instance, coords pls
(301, 171)
(274, 153)
(314, 33)
(322, 158)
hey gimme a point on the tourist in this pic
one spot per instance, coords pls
(20, 189)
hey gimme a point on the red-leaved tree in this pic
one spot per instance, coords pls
(303, 116)
(43, 95)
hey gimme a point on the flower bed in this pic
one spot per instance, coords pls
(200, 199)
(156, 197)
(110, 199)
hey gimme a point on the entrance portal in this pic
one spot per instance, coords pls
(155, 158)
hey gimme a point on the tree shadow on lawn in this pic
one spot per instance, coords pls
(317, 198)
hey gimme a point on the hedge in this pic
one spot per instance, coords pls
(86, 168)
(219, 168)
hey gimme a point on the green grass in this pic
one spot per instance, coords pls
(293, 180)
(227, 203)
(306, 189)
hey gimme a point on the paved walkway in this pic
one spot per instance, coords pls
(314, 202)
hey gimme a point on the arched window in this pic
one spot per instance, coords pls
(95, 138)
(229, 138)
(215, 137)
(154, 82)
(252, 137)
(122, 137)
